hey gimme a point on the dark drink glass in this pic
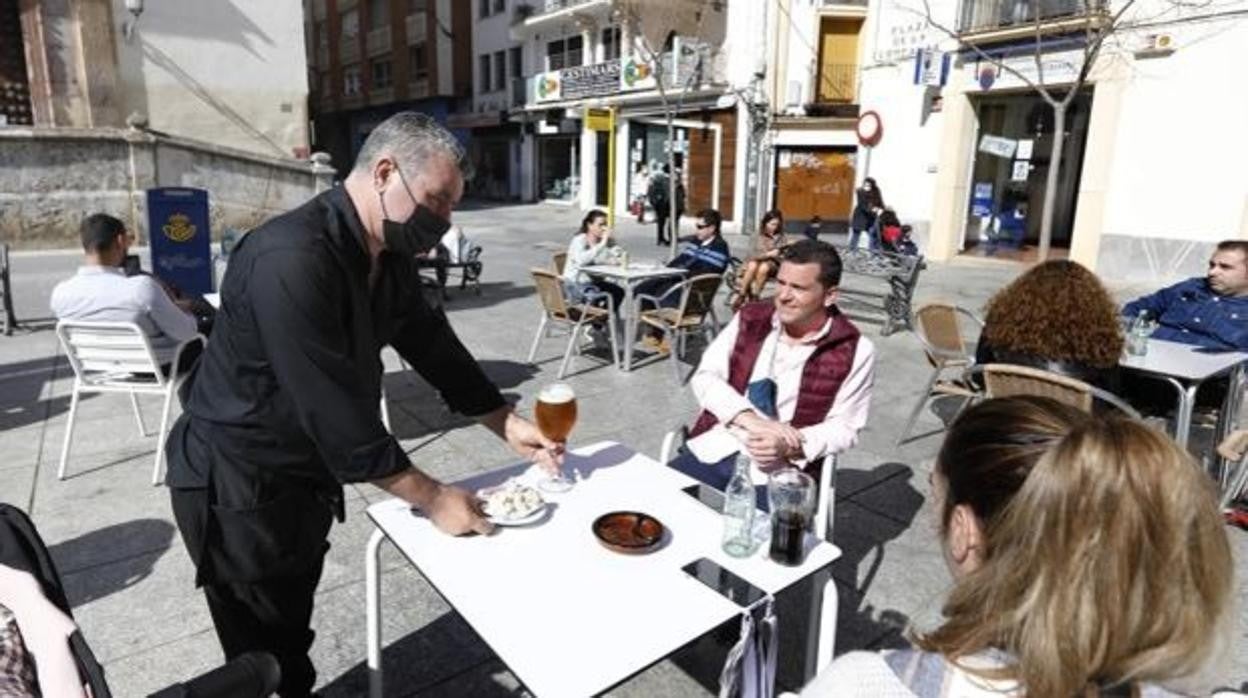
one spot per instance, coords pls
(791, 494)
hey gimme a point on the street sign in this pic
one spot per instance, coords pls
(931, 68)
(597, 119)
(179, 235)
(870, 129)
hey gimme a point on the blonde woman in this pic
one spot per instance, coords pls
(1088, 560)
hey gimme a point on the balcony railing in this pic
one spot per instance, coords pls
(987, 15)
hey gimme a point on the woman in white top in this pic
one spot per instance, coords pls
(1088, 559)
(591, 245)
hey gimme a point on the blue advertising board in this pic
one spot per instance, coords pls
(178, 232)
(981, 199)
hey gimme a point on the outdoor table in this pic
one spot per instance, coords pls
(1185, 368)
(568, 616)
(629, 278)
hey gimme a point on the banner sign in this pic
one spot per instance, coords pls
(594, 80)
(180, 237)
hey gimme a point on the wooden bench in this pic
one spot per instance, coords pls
(897, 274)
(6, 291)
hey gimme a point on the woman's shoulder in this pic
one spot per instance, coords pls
(858, 674)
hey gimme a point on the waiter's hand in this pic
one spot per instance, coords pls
(1233, 447)
(525, 438)
(457, 512)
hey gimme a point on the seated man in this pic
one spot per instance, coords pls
(101, 292)
(706, 253)
(790, 377)
(1210, 312)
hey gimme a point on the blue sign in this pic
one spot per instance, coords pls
(178, 231)
(981, 199)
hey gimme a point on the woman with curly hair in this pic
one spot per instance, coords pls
(1056, 317)
(1088, 560)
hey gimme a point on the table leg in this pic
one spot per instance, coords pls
(821, 640)
(1187, 405)
(630, 326)
(1231, 407)
(372, 581)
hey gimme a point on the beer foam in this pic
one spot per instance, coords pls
(556, 394)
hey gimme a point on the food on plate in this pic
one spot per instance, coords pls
(512, 501)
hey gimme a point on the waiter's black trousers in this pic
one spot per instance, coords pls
(271, 615)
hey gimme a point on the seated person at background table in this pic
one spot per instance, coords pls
(1056, 317)
(789, 379)
(706, 252)
(765, 260)
(1211, 311)
(1052, 597)
(102, 292)
(591, 245)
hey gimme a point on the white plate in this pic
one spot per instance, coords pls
(533, 517)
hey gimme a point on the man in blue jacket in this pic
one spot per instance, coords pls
(706, 252)
(1210, 312)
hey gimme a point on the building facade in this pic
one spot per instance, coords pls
(592, 54)
(371, 58)
(967, 139)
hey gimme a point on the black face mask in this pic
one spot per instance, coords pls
(421, 232)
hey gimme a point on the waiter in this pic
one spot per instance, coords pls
(283, 407)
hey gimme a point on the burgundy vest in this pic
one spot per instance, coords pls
(822, 376)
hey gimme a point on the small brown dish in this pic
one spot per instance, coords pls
(628, 532)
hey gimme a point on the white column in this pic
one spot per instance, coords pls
(589, 167)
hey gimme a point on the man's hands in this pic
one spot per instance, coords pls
(525, 438)
(1233, 447)
(457, 512)
(768, 441)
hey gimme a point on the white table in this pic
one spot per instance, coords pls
(567, 616)
(1185, 369)
(629, 278)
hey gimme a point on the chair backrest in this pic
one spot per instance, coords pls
(698, 298)
(1004, 380)
(550, 292)
(101, 352)
(559, 259)
(938, 329)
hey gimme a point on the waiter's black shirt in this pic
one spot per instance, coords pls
(288, 388)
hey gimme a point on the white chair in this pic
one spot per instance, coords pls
(826, 605)
(116, 357)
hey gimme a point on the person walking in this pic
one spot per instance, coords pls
(659, 193)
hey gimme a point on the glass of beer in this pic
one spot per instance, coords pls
(556, 415)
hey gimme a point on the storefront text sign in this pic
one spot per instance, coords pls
(590, 80)
(1059, 68)
(598, 119)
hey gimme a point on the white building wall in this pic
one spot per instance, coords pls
(233, 74)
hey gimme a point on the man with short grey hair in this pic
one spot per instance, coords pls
(283, 408)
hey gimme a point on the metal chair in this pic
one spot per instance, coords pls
(1236, 483)
(557, 311)
(938, 327)
(116, 357)
(1004, 380)
(697, 305)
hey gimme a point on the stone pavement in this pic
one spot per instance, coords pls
(131, 582)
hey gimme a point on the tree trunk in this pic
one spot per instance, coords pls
(1050, 184)
(671, 179)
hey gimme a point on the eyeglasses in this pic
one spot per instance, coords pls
(700, 225)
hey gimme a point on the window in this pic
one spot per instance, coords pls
(326, 88)
(610, 43)
(500, 5)
(484, 7)
(381, 74)
(350, 23)
(415, 7)
(500, 69)
(517, 64)
(563, 53)
(378, 14)
(418, 64)
(351, 80)
(483, 72)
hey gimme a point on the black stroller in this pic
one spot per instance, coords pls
(252, 675)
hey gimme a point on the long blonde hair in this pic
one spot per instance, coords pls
(1108, 566)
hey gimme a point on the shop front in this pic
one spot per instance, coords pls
(814, 182)
(1009, 165)
(704, 151)
(558, 167)
(493, 154)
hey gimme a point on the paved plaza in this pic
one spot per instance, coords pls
(131, 581)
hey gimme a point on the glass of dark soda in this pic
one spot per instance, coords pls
(791, 494)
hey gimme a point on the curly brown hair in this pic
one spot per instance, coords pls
(1059, 311)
